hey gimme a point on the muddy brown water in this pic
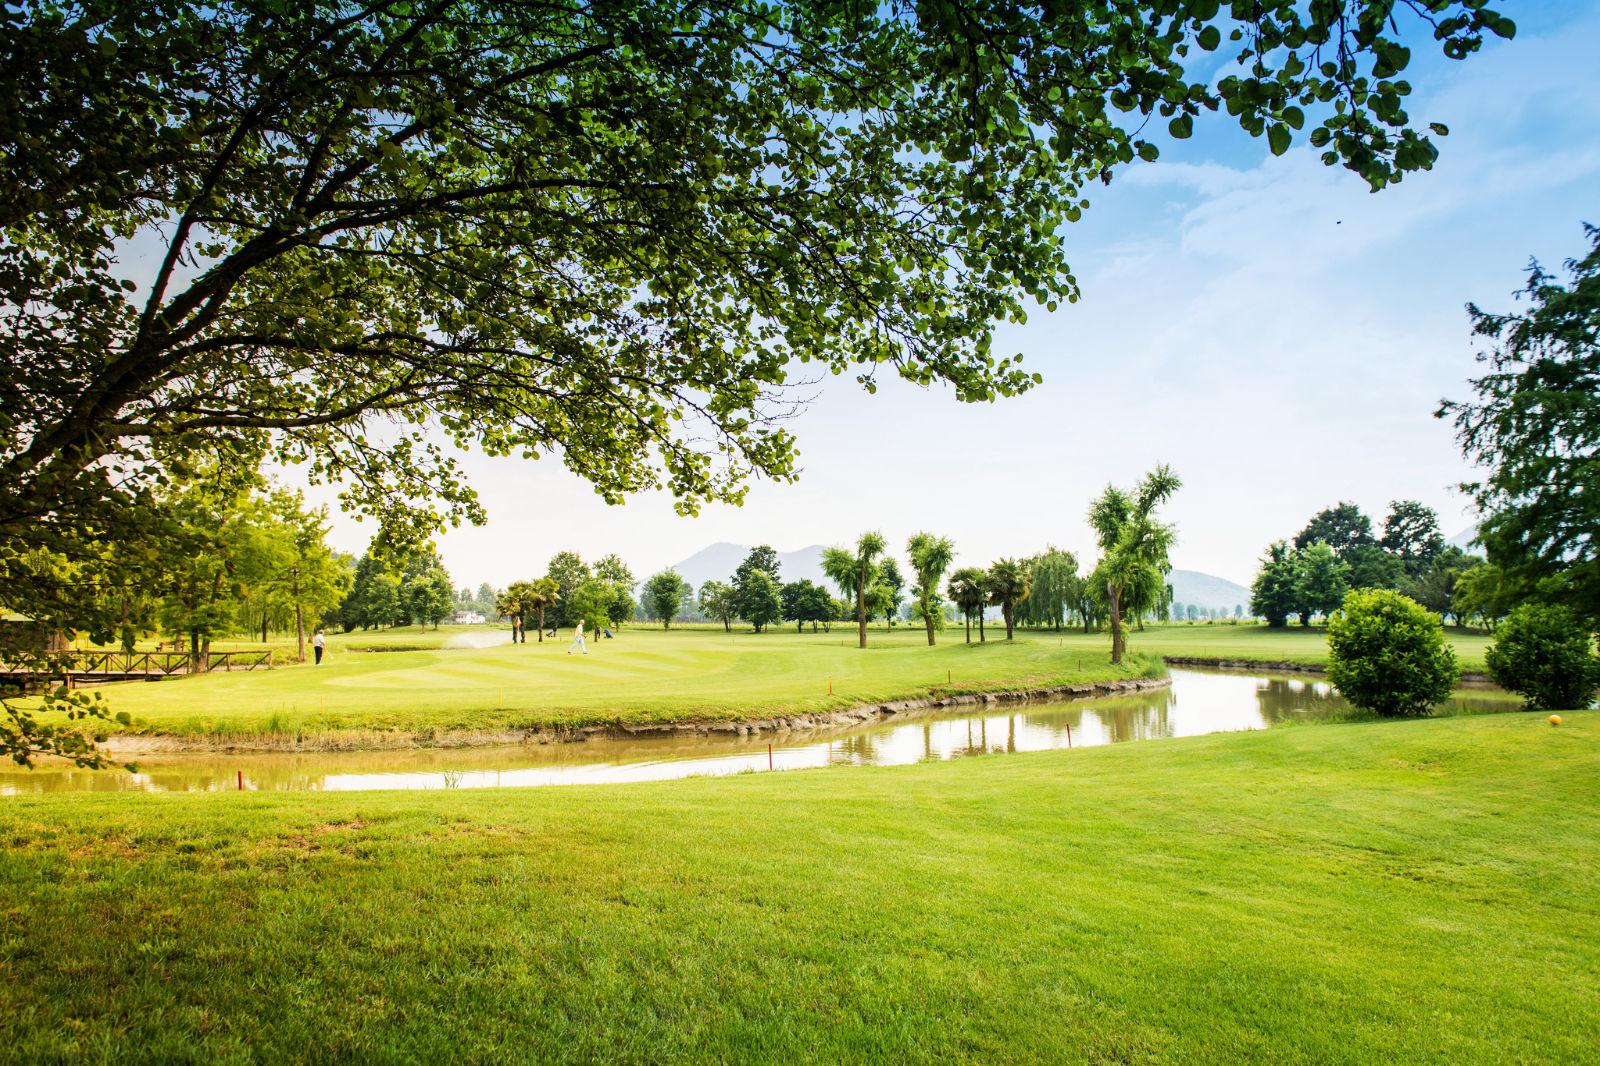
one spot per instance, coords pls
(1199, 701)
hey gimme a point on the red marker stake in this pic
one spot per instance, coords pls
(769, 756)
(1069, 734)
(241, 780)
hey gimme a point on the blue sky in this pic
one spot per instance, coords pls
(1268, 327)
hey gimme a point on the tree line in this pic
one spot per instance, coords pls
(1127, 584)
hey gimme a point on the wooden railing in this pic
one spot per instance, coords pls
(119, 664)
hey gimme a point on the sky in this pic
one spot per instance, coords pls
(1267, 326)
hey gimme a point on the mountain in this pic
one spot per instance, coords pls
(1465, 540)
(1207, 590)
(717, 562)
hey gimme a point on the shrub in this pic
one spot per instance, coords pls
(1544, 655)
(1387, 654)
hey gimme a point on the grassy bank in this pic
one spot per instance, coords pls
(1257, 643)
(1363, 892)
(647, 675)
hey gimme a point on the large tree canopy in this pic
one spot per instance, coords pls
(1534, 426)
(607, 232)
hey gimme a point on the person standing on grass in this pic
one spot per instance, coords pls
(319, 642)
(577, 641)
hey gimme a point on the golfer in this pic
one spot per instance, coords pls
(577, 641)
(319, 642)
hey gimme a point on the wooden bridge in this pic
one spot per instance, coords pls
(96, 667)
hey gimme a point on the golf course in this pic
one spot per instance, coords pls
(424, 682)
(1374, 891)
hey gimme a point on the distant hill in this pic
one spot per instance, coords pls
(1208, 590)
(1464, 540)
(717, 562)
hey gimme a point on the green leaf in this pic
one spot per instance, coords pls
(1278, 138)
(1181, 127)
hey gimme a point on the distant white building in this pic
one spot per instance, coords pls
(468, 618)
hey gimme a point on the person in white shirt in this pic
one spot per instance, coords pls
(577, 641)
(318, 643)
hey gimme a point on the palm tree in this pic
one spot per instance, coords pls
(1133, 545)
(854, 573)
(540, 596)
(509, 605)
(970, 592)
(930, 557)
(1009, 582)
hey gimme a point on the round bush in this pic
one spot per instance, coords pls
(1544, 655)
(1387, 654)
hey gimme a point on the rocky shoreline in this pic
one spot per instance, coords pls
(133, 744)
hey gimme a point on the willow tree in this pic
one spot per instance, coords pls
(1133, 546)
(969, 588)
(930, 558)
(1055, 580)
(854, 573)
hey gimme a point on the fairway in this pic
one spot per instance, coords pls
(425, 682)
(1412, 891)
(646, 675)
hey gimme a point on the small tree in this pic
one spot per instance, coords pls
(509, 606)
(540, 596)
(718, 602)
(1272, 594)
(855, 573)
(1319, 582)
(892, 582)
(663, 593)
(1133, 546)
(930, 558)
(1542, 653)
(1387, 654)
(1009, 582)
(761, 600)
(969, 588)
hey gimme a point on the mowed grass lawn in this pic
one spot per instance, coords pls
(646, 675)
(1366, 892)
(1258, 643)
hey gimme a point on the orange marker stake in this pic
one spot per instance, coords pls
(830, 686)
(241, 780)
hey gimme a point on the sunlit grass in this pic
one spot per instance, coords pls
(1375, 892)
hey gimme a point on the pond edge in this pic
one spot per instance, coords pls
(125, 744)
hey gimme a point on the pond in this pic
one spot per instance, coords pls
(1199, 701)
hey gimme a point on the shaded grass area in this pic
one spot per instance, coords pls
(1404, 891)
(647, 675)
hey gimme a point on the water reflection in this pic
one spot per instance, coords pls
(1198, 702)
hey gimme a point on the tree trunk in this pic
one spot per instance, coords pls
(194, 651)
(982, 637)
(927, 616)
(1118, 644)
(861, 612)
(968, 616)
(541, 629)
(1010, 617)
(727, 625)
(300, 630)
(263, 623)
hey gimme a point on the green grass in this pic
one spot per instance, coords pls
(646, 675)
(1409, 891)
(1257, 643)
